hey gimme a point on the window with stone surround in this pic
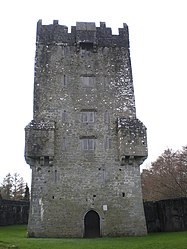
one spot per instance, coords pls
(88, 80)
(64, 116)
(88, 143)
(88, 116)
(64, 143)
(107, 143)
(106, 117)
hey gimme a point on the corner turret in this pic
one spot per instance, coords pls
(132, 141)
(39, 143)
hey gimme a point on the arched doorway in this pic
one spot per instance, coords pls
(91, 225)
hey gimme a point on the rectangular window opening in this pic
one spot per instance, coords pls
(106, 117)
(88, 81)
(64, 116)
(88, 143)
(88, 116)
(86, 46)
(64, 80)
(64, 144)
(55, 176)
(46, 160)
(107, 143)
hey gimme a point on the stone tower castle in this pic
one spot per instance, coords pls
(85, 144)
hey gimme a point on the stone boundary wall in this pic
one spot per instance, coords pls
(13, 212)
(166, 215)
(161, 216)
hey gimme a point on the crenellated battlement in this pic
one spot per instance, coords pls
(86, 32)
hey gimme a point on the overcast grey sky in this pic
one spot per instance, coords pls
(158, 43)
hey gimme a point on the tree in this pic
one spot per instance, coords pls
(182, 170)
(13, 187)
(166, 177)
(18, 187)
(27, 193)
(6, 188)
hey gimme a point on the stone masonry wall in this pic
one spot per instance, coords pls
(166, 215)
(13, 212)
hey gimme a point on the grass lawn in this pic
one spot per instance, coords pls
(15, 237)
